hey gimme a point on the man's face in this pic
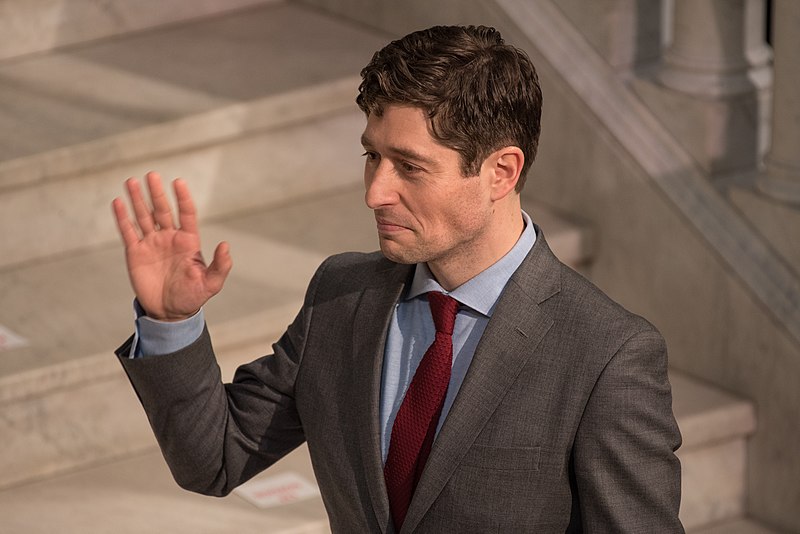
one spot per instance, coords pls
(425, 209)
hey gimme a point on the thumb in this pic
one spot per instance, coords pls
(220, 266)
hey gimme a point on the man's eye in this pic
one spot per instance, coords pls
(408, 168)
(371, 156)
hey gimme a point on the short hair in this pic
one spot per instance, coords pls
(479, 93)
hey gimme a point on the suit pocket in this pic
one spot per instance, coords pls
(502, 458)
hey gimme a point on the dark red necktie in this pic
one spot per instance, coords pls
(415, 425)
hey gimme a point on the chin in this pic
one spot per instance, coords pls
(396, 254)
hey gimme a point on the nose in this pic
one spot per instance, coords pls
(379, 182)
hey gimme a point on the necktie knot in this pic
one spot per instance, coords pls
(443, 309)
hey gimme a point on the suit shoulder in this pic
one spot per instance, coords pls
(588, 306)
(354, 260)
(352, 270)
(353, 264)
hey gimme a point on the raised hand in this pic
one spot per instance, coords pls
(166, 268)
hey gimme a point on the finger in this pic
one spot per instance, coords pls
(140, 208)
(187, 214)
(162, 213)
(220, 266)
(129, 235)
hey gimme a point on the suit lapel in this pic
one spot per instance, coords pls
(517, 326)
(370, 325)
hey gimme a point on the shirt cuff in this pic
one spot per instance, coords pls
(153, 337)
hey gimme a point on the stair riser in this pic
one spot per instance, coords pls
(71, 428)
(69, 424)
(713, 482)
(262, 169)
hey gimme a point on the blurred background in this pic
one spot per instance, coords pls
(668, 173)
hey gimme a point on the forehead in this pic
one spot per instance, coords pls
(404, 129)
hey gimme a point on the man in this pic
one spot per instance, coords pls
(462, 379)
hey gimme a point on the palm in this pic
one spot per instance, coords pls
(165, 273)
(165, 265)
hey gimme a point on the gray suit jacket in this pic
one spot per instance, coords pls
(563, 423)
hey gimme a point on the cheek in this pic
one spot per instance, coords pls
(472, 203)
(453, 211)
(465, 215)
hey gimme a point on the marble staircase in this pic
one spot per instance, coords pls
(221, 100)
(263, 127)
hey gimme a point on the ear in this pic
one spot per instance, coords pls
(503, 167)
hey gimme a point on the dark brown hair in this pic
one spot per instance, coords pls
(479, 93)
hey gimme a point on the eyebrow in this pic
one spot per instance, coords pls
(405, 152)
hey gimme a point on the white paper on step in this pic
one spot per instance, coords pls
(9, 340)
(277, 490)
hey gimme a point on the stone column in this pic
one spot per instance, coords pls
(627, 33)
(711, 90)
(781, 177)
(717, 48)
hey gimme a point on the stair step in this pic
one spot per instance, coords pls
(101, 89)
(715, 426)
(209, 99)
(138, 494)
(737, 526)
(708, 415)
(34, 27)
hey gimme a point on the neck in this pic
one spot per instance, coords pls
(496, 242)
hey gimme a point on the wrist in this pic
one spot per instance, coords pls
(164, 317)
(159, 337)
(169, 318)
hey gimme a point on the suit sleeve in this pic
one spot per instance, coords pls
(626, 472)
(216, 436)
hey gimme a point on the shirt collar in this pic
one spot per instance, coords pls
(483, 290)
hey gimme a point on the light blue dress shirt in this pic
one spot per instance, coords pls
(411, 330)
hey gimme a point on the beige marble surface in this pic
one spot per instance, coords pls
(781, 177)
(173, 89)
(708, 414)
(29, 26)
(722, 135)
(150, 141)
(90, 500)
(737, 526)
(713, 483)
(267, 168)
(626, 33)
(138, 495)
(777, 221)
(74, 426)
(715, 426)
(108, 87)
(236, 103)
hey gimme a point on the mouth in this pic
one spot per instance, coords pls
(387, 226)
